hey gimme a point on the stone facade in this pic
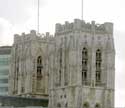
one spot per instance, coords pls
(84, 66)
(29, 65)
(76, 67)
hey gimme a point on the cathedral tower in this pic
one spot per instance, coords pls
(84, 66)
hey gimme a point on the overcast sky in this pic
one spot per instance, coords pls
(17, 16)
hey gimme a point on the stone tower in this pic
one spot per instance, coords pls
(29, 65)
(83, 70)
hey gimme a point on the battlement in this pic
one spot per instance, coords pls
(31, 36)
(81, 25)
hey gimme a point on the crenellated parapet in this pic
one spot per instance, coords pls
(31, 36)
(81, 25)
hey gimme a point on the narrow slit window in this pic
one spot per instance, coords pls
(98, 65)
(84, 65)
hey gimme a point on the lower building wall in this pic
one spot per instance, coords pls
(21, 107)
(22, 101)
(80, 97)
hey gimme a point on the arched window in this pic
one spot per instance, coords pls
(86, 105)
(58, 105)
(98, 65)
(84, 65)
(39, 60)
(66, 105)
(97, 105)
(39, 67)
(98, 54)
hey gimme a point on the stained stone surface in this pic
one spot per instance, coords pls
(63, 77)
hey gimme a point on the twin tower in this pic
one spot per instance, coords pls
(75, 68)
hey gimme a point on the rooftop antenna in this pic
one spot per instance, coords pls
(82, 11)
(38, 17)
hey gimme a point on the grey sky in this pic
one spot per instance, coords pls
(18, 16)
(17, 11)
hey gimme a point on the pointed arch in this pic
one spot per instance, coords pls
(39, 52)
(39, 67)
(98, 54)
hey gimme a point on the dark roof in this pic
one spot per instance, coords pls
(5, 50)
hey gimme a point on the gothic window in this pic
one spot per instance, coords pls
(86, 105)
(84, 65)
(39, 67)
(39, 83)
(98, 65)
(66, 105)
(97, 105)
(58, 105)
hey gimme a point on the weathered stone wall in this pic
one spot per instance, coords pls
(25, 52)
(62, 65)
(68, 90)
